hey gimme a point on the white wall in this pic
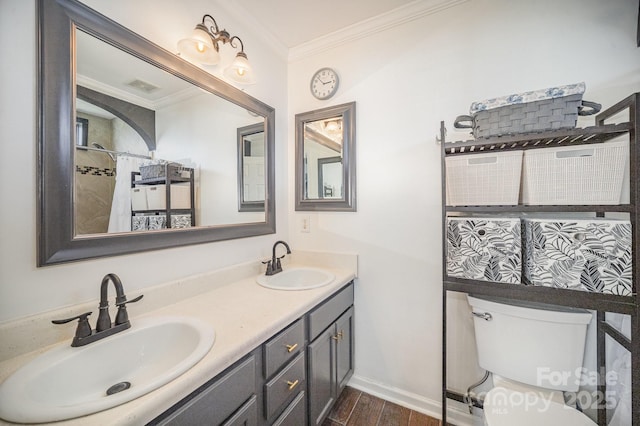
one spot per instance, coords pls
(405, 80)
(26, 289)
(203, 129)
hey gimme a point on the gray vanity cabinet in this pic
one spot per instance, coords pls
(331, 355)
(283, 382)
(229, 399)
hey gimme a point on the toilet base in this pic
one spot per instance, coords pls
(509, 407)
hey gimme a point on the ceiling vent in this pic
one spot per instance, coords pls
(143, 86)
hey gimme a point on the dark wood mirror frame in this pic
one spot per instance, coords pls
(57, 21)
(348, 202)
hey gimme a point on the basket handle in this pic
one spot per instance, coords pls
(482, 160)
(595, 108)
(458, 122)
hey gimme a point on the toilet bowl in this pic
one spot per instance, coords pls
(527, 347)
(511, 403)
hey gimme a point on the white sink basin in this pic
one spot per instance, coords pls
(67, 382)
(296, 278)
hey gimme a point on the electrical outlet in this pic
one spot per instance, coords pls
(305, 224)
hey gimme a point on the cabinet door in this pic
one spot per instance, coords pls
(344, 349)
(322, 376)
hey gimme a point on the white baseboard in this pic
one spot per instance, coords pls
(411, 400)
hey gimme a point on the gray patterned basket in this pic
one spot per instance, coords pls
(537, 111)
(153, 171)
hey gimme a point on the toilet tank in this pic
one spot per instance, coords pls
(535, 344)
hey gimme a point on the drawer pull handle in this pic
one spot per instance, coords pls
(292, 384)
(338, 336)
(291, 347)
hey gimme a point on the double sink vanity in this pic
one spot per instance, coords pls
(226, 347)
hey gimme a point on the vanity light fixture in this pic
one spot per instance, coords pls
(204, 47)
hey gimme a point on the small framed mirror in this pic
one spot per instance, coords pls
(251, 150)
(326, 159)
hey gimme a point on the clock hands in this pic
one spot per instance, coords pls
(326, 82)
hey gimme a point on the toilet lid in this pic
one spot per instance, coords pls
(506, 407)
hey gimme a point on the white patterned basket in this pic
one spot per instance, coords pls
(483, 179)
(590, 255)
(574, 175)
(487, 249)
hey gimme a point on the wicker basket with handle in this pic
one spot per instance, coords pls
(537, 111)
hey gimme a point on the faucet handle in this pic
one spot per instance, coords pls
(83, 329)
(269, 267)
(124, 302)
(122, 316)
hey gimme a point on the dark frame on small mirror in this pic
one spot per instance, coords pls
(243, 205)
(347, 203)
(57, 242)
(82, 131)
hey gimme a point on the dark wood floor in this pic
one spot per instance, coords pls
(356, 408)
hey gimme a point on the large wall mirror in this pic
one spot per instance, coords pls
(138, 148)
(326, 159)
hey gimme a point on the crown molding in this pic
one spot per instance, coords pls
(385, 21)
(256, 27)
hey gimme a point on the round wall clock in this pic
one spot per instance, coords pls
(324, 83)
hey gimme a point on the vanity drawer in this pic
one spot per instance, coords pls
(284, 386)
(283, 348)
(295, 414)
(219, 399)
(247, 415)
(323, 316)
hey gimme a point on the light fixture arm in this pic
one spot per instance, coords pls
(214, 29)
(234, 46)
(198, 48)
(219, 36)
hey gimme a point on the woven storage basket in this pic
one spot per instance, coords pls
(483, 179)
(573, 175)
(153, 171)
(548, 109)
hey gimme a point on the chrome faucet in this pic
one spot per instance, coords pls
(273, 265)
(104, 327)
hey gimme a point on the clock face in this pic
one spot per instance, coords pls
(324, 83)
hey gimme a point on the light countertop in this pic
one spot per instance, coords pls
(243, 314)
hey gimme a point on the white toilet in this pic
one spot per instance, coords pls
(534, 354)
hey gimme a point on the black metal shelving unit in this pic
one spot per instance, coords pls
(600, 303)
(172, 175)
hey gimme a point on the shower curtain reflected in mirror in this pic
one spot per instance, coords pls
(120, 217)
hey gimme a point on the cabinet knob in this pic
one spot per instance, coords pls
(290, 348)
(292, 384)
